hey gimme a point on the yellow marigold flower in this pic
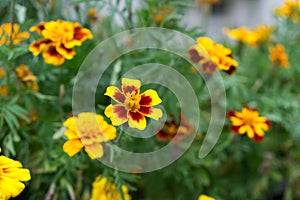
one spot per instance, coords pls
(26, 77)
(278, 55)
(208, 1)
(132, 107)
(290, 9)
(11, 176)
(253, 37)
(3, 90)
(6, 34)
(205, 197)
(105, 190)
(92, 12)
(220, 56)
(2, 72)
(59, 39)
(88, 131)
(248, 121)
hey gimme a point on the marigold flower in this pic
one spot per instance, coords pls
(59, 39)
(278, 55)
(290, 9)
(132, 107)
(205, 197)
(220, 56)
(248, 121)
(207, 1)
(27, 77)
(252, 37)
(6, 34)
(105, 190)
(172, 129)
(88, 131)
(11, 176)
(2, 72)
(160, 15)
(3, 90)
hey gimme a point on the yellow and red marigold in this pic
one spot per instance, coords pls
(248, 121)
(219, 56)
(105, 190)
(172, 129)
(88, 131)
(131, 106)
(58, 40)
(11, 176)
(7, 34)
(278, 55)
(27, 77)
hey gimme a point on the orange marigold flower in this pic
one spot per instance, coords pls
(248, 121)
(104, 189)
(174, 130)
(160, 15)
(26, 77)
(220, 56)
(278, 55)
(252, 37)
(6, 33)
(205, 197)
(208, 1)
(132, 107)
(2, 72)
(11, 176)
(3, 90)
(59, 39)
(88, 131)
(290, 9)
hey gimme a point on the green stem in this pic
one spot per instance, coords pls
(116, 141)
(12, 19)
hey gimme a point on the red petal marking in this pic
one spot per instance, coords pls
(119, 96)
(145, 100)
(208, 67)
(230, 114)
(194, 56)
(231, 70)
(257, 138)
(52, 51)
(268, 124)
(145, 110)
(78, 34)
(235, 129)
(136, 116)
(120, 111)
(129, 88)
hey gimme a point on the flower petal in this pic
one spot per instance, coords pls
(154, 113)
(136, 120)
(94, 150)
(68, 53)
(150, 98)
(51, 56)
(117, 114)
(72, 147)
(114, 93)
(129, 85)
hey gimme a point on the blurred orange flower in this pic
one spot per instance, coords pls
(27, 77)
(290, 9)
(3, 90)
(278, 55)
(6, 33)
(2, 72)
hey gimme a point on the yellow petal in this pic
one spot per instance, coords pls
(150, 98)
(94, 150)
(72, 147)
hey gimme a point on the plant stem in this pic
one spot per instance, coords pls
(116, 141)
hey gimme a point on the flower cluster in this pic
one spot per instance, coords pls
(248, 121)
(58, 40)
(9, 32)
(3, 88)
(278, 55)
(252, 37)
(105, 190)
(88, 131)
(290, 9)
(161, 15)
(131, 106)
(218, 55)
(11, 176)
(26, 77)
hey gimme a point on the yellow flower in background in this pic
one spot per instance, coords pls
(278, 55)
(248, 121)
(58, 40)
(208, 1)
(3, 90)
(2, 72)
(26, 77)
(205, 197)
(105, 190)
(290, 9)
(6, 33)
(131, 106)
(161, 14)
(11, 177)
(88, 131)
(218, 54)
(253, 37)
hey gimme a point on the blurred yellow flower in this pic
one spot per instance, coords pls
(290, 9)
(58, 40)
(220, 56)
(2, 72)
(3, 90)
(92, 13)
(208, 1)
(252, 37)
(6, 33)
(88, 131)
(160, 14)
(11, 176)
(248, 121)
(26, 77)
(278, 55)
(205, 197)
(105, 190)
(131, 106)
